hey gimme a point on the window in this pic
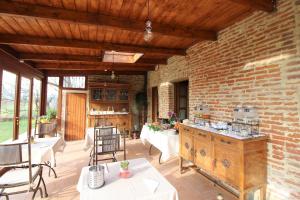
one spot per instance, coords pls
(181, 99)
(52, 93)
(74, 82)
(24, 105)
(36, 101)
(7, 112)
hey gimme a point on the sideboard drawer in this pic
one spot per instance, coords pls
(226, 142)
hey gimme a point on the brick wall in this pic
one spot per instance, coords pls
(136, 83)
(254, 62)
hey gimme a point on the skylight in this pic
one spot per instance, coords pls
(121, 57)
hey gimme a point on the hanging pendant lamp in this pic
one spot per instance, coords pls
(148, 34)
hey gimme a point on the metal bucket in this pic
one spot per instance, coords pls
(96, 176)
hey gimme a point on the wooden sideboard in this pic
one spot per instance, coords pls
(240, 164)
(122, 121)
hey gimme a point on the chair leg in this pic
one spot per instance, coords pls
(38, 188)
(50, 169)
(45, 189)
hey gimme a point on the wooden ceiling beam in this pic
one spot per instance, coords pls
(90, 72)
(80, 58)
(78, 17)
(69, 43)
(264, 5)
(100, 66)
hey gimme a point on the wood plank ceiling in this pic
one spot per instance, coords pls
(70, 35)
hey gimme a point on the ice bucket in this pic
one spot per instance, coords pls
(96, 176)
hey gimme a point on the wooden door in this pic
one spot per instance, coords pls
(75, 116)
(155, 111)
(203, 152)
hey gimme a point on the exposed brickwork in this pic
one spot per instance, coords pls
(136, 83)
(254, 62)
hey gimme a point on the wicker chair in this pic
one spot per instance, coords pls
(21, 173)
(107, 140)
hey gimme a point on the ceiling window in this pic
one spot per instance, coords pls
(121, 57)
(74, 82)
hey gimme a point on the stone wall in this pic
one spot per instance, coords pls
(254, 62)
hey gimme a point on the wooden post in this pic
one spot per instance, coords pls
(17, 107)
(44, 96)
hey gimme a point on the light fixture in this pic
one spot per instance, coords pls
(113, 76)
(21, 61)
(148, 34)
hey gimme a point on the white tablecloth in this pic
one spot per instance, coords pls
(166, 141)
(89, 137)
(133, 188)
(43, 149)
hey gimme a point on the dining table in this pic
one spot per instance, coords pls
(145, 183)
(166, 141)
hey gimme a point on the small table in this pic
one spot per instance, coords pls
(43, 151)
(133, 188)
(166, 141)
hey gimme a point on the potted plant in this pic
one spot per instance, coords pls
(124, 166)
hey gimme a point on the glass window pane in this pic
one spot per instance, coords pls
(52, 97)
(53, 80)
(74, 82)
(24, 106)
(36, 101)
(7, 106)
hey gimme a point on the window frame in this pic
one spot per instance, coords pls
(71, 88)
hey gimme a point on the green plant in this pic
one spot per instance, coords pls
(51, 114)
(124, 164)
(154, 127)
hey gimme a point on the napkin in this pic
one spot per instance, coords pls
(151, 184)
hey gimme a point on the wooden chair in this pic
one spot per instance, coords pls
(107, 140)
(21, 173)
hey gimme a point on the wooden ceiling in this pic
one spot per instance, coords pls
(70, 35)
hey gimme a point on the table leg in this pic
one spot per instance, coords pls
(180, 164)
(150, 149)
(159, 160)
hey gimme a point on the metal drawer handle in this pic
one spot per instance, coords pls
(226, 163)
(202, 153)
(226, 142)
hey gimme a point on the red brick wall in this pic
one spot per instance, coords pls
(254, 62)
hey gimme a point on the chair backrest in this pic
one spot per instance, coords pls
(12, 154)
(106, 140)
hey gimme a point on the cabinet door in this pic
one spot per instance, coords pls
(227, 164)
(203, 154)
(186, 146)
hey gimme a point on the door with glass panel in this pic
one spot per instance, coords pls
(8, 106)
(23, 119)
(15, 105)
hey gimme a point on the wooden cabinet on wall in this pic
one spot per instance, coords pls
(240, 164)
(112, 97)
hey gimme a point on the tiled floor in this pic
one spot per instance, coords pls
(190, 185)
